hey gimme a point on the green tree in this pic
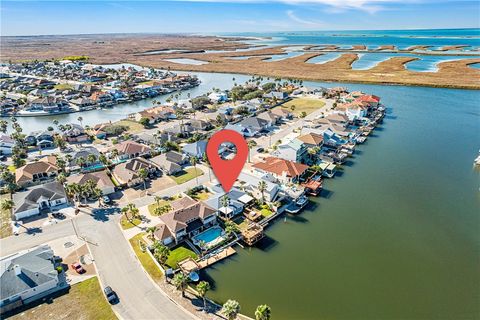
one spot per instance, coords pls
(61, 178)
(202, 289)
(161, 252)
(80, 119)
(143, 174)
(230, 309)
(7, 204)
(151, 232)
(180, 281)
(91, 158)
(250, 145)
(262, 186)
(263, 312)
(144, 122)
(193, 161)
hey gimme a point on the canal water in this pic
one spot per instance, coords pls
(396, 235)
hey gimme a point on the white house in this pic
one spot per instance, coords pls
(218, 97)
(28, 276)
(6, 145)
(30, 202)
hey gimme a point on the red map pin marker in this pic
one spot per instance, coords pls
(227, 171)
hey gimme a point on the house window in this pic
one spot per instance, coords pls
(58, 201)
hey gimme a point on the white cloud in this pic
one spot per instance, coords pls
(310, 23)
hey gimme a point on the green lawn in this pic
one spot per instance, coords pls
(307, 105)
(133, 126)
(129, 224)
(145, 259)
(63, 86)
(153, 206)
(85, 300)
(178, 254)
(5, 219)
(202, 195)
(266, 212)
(186, 175)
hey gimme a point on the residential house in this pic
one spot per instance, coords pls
(295, 150)
(200, 125)
(6, 145)
(28, 276)
(83, 154)
(285, 171)
(237, 200)
(250, 182)
(249, 127)
(32, 201)
(370, 99)
(45, 139)
(100, 178)
(76, 133)
(131, 149)
(195, 149)
(218, 97)
(278, 95)
(183, 223)
(170, 162)
(126, 173)
(271, 118)
(312, 139)
(283, 113)
(42, 170)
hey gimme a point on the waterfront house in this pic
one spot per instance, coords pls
(29, 276)
(370, 99)
(32, 201)
(354, 110)
(43, 170)
(170, 162)
(312, 139)
(285, 171)
(100, 178)
(84, 154)
(126, 173)
(6, 145)
(276, 95)
(237, 200)
(183, 223)
(76, 133)
(249, 182)
(45, 139)
(131, 149)
(295, 150)
(218, 97)
(196, 149)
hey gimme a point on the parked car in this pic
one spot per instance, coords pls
(111, 295)
(78, 268)
(106, 199)
(260, 149)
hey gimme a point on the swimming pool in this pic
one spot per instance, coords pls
(211, 237)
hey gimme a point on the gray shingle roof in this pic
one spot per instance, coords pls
(27, 200)
(27, 270)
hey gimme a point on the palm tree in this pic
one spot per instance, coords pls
(151, 231)
(250, 145)
(157, 200)
(130, 211)
(91, 158)
(230, 309)
(180, 281)
(103, 159)
(262, 186)
(98, 193)
(193, 161)
(61, 178)
(7, 204)
(224, 202)
(80, 161)
(205, 159)
(143, 174)
(80, 119)
(161, 252)
(230, 228)
(202, 289)
(263, 312)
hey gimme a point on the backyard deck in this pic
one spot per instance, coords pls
(225, 253)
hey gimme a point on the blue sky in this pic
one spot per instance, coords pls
(222, 16)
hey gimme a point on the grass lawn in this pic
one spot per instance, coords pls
(179, 254)
(85, 300)
(63, 86)
(133, 126)
(5, 219)
(202, 195)
(153, 206)
(145, 259)
(127, 224)
(266, 212)
(304, 104)
(186, 175)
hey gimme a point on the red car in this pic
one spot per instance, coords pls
(78, 268)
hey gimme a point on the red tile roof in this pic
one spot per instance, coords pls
(278, 166)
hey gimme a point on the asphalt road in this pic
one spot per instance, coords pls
(115, 261)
